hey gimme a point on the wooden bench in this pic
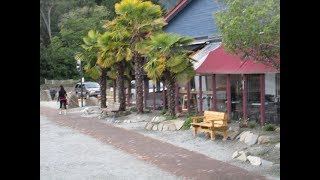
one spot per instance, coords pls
(212, 121)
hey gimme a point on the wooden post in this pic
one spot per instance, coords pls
(228, 96)
(244, 96)
(188, 96)
(200, 94)
(163, 96)
(213, 93)
(153, 97)
(177, 97)
(262, 99)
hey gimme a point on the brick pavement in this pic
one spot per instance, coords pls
(177, 160)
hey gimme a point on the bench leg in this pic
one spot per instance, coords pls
(212, 135)
(225, 135)
(195, 129)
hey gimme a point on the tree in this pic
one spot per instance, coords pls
(115, 54)
(90, 56)
(168, 59)
(251, 28)
(139, 18)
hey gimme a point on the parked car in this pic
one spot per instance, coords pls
(89, 89)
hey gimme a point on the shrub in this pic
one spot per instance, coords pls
(163, 112)
(187, 123)
(133, 109)
(252, 125)
(170, 118)
(269, 127)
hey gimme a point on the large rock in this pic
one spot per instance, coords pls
(235, 154)
(165, 127)
(251, 139)
(159, 119)
(155, 127)
(178, 123)
(152, 120)
(73, 101)
(243, 135)
(45, 95)
(263, 139)
(277, 146)
(92, 101)
(172, 127)
(149, 126)
(242, 156)
(232, 134)
(266, 163)
(254, 160)
(160, 126)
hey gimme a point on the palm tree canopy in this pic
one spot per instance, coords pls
(165, 52)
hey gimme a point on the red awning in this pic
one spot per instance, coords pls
(220, 62)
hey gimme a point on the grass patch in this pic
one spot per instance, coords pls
(252, 125)
(170, 117)
(269, 127)
(187, 124)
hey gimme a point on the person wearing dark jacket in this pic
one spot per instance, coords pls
(62, 97)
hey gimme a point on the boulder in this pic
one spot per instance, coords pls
(254, 160)
(251, 139)
(235, 154)
(165, 127)
(45, 95)
(172, 127)
(232, 134)
(242, 156)
(149, 126)
(160, 125)
(159, 119)
(92, 101)
(266, 163)
(178, 123)
(153, 119)
(243, 135)
(277, 146)
(155, 127)
(263, 139)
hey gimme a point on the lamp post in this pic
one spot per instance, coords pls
(79, 67)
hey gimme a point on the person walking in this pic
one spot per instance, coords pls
(63, 100)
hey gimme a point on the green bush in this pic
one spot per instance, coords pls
(163, 112)
(269, 127)
(133, 109)
(252, 125)
(170, 118)
(187, 123)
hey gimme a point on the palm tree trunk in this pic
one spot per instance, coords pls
(129, 92)
(120, 83)
(103, 87)
(171, 93)
(138, 63)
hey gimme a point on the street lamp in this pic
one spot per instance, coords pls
(79, 67)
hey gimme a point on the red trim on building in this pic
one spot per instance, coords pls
(178, 6)
(200, 94)
(188, 97)
(220, 62)
(213, 93)
(262, 99)
(244, 91)
(228, 97)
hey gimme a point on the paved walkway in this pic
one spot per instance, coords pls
(179, 161)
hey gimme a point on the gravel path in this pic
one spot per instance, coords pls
(67, 154)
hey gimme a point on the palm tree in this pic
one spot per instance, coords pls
(115, 54)
(89, 56)
(138, 18)
(168, 59)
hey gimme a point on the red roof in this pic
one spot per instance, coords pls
(220, 62)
